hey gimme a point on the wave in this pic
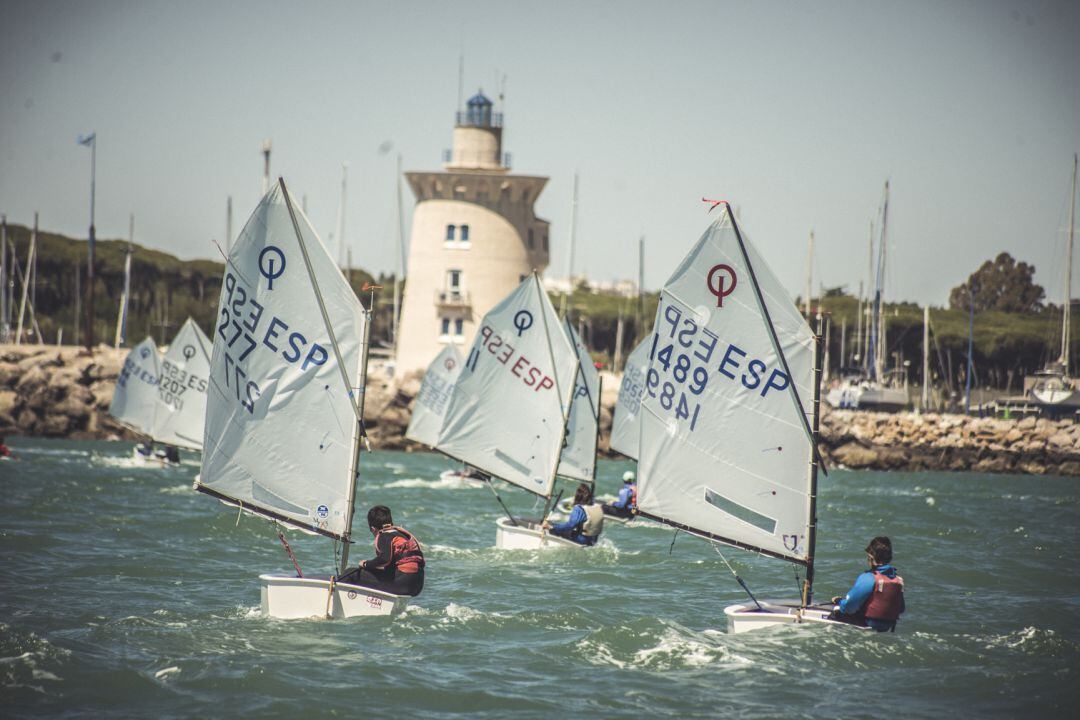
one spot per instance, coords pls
(440, 484)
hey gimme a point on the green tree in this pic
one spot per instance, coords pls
(1000, 284)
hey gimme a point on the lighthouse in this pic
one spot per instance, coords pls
(474, 237)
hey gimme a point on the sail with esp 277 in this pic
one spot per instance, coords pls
(282, 435)
(725, 441)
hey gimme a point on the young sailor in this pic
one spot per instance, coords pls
(586, 520)
(626, 503)
(877, 597)
(398, 565)
(5, 451)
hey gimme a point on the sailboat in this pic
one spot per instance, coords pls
(1051, 389)
(135, 397)
(508, 413)
(430, 406)
(284, 415)
(164, 398)
(871, 387)
(729, 414)
(182, 385)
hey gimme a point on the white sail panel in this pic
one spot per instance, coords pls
(185, 372)
(625, 425)
(281, 424)
(434, 396)
(134, 401)
(578, 459)
(723, 448)
(508, 411)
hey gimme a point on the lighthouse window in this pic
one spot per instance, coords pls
(464, 233)
(446, 326)
(450, 230)
(459, 327)
(545, 243)
(530, 239)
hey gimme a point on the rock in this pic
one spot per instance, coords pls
(1027, 423)
(8, 401)
(55, 425)
(992, 464)
(27, 422)
(9, 374)
(854, 455)
(1063, 440)
(32, 378)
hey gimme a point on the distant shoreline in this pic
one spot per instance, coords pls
(64, 392)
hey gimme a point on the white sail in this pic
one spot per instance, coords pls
(508, 411)
(185, 371)
(134, 401)
(281, 427)
(434, 395)
(725, 446)
(578, 459)
(626, 423)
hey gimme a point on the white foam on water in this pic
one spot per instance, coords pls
(176, 490)
(440, 484)
(165, 672)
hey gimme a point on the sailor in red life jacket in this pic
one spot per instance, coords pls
(877, 598)
(398, 565)
(5, 451)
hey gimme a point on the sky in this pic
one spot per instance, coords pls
(795, 112)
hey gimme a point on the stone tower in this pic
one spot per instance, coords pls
(474, 237)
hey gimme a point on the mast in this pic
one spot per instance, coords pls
(228, 224)
(341, 219)
(400, 257)
(811, 540)
(570, 255)
(121, 317)
(1067, 307)
(359, 435)
(266, 166)
(926, 358)
(640, 330)
(26, 282)
(809, 274)
(5, 322)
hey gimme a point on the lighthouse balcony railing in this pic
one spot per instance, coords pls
(452, 299)
(474, 118)
(505, 159)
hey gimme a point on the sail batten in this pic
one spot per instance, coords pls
(723, 445)
(507, 414)
(287, 364)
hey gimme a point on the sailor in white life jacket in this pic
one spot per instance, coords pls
(586, 520)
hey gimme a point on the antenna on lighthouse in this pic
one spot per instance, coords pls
(266, 166)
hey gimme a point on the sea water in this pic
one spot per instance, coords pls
(125, 593)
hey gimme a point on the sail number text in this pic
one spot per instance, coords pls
(681, 357)
(493, 343)
(174, 382)
(242, 332)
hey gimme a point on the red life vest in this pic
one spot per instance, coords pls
(405, 553)
(886, 599)
(633, 496)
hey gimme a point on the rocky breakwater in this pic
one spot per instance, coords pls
(58, 392)
(930, 441)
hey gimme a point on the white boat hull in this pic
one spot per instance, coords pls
(526, 535)
(775, 613)
(291, 598)
(455, 477)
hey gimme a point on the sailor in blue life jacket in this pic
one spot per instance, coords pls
(876, 599)
(586, 520)
(626, 503)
